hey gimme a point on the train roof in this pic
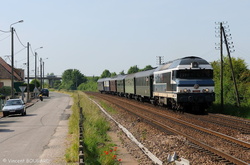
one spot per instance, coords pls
(182, 61)
(118, 77)
(121, 77)
(132, 75)
(103, 79)
(145, 73)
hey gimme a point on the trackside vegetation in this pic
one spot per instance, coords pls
(242, 76)
(98, 148)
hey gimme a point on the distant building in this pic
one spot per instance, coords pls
(5, 74)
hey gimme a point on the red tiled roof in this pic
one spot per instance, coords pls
(8, 69)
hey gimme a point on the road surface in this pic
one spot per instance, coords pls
(23, 139)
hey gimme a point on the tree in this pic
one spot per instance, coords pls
(50, 74)
(35, 82)
(105, 73)
(242, 75)
(122, 72)
(95, 78)
(5, 90)
(148, 67)
(71, 79)
(133, 69)
(57, 84)
(90, 85)
(113, 74)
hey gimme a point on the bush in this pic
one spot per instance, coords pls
(5, 90)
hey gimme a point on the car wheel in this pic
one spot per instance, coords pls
(4, 114)
(23, 113)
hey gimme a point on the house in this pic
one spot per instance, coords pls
(5, 74)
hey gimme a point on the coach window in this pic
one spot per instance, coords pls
(173, 74)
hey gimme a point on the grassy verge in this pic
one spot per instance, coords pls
(98, 148)
(71, 155)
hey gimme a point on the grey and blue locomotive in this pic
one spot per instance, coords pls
(185, 84)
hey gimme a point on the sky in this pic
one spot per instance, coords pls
(95, 35)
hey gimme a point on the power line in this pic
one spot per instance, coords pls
(32, 50)
(4, 31)
(5, 38)
(20, 51)
(20, 40)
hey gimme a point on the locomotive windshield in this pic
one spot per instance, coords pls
(194, 74)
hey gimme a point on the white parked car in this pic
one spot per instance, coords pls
(14, 106)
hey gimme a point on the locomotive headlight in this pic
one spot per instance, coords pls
(185, 90)
(205, 90)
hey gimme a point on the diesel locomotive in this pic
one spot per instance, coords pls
(184, 84)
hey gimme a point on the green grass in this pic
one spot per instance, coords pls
(71, 155)
(107, 107)
(98, 148)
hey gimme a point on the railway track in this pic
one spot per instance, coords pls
(238, 126)
(243, 125)
(146, 113)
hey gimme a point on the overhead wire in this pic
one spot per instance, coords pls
(20, 51)
(24, 47)
(19, 39)
(4, 31)
(5, 38)
(31, 50)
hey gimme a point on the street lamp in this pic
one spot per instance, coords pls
(36, 64)
(12, 57)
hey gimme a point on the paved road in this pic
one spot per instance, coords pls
(24, 138)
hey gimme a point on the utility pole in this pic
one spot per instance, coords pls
(28, 72)
(224, 36)
(12, 62)
(232, 70)
(41, 69)
(221, 69)
(12, 57)
(160, 60)
(43, 75)
(35, 69)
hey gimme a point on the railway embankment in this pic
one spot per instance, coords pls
(194, 141)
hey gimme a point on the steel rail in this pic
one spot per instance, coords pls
(221, 135)
(191, 139)
(201, 144)
(228, 118)
(232, 139)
